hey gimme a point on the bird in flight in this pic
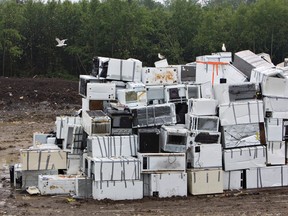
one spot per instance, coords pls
(61, 43)
(223, 48)
(160, 56)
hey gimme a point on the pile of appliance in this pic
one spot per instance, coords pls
(169, 130)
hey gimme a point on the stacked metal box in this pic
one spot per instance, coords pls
(274, 89)
(204, 152)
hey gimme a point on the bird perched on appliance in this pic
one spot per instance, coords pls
(223, 48)
(161, 56)
(61, 43)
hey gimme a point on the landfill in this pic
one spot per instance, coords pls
(214, 125)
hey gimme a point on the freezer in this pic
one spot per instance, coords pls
(244, 158)
(246, 60)
(117, 190)
(215, 67)
(56, 184)
(241, 113)
(205, 181)
(165, 184)
(112, 146)
(43, 159)
(262, 177)
(115, 168)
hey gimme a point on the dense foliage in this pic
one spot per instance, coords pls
(178, 29)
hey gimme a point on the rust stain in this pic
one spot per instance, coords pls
(53, 187)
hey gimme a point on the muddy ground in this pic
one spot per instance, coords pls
(31, 105)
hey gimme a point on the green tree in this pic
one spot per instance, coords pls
(10, 37)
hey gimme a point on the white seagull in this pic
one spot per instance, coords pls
(160, 56)
(223, 48)
(61, 43)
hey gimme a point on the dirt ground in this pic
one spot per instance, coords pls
(31, 105)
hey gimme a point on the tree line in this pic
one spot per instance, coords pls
(178, 29)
